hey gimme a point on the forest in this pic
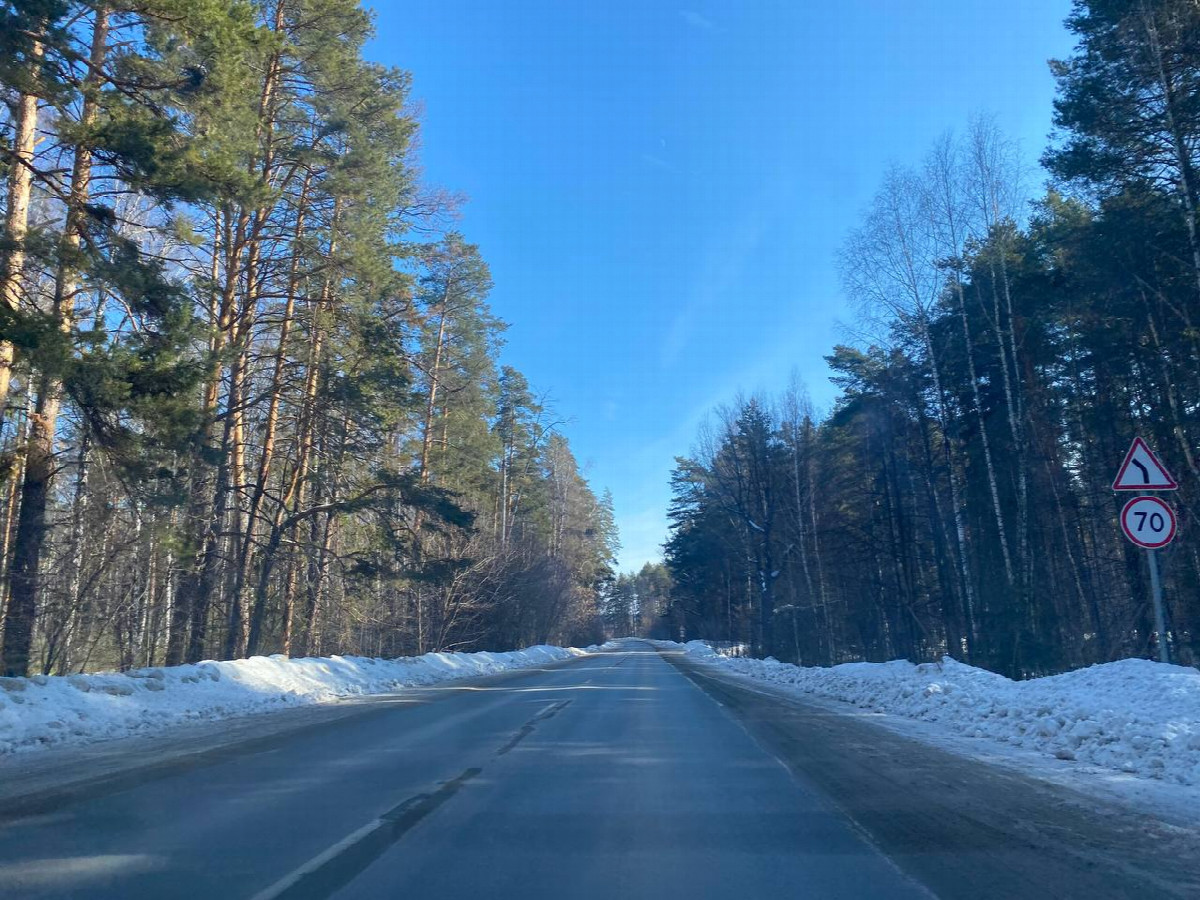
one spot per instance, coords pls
(1008, 347)
(254, 402)
(251, 385)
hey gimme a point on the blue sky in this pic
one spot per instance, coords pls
(660, 188)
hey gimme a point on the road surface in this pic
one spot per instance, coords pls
(619, 775)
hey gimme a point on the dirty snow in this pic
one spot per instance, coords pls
(1132, 716)
(46, 711)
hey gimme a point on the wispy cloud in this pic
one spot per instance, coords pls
(697, 21)
(719, 275)
(659, 163)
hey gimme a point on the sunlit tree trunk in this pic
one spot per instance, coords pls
(16, 218)
(25, 577)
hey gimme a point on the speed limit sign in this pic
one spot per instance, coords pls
(1148, 522)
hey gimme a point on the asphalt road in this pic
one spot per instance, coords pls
(623, 774)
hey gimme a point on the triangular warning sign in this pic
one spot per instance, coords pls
(1142, 471)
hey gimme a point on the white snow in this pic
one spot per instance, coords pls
(1132, 716)
(46, 711)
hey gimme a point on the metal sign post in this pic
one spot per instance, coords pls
(1148, 522)
(1160, 621)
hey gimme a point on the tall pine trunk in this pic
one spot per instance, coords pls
(25, 577)
(16, 219)
(270, 426)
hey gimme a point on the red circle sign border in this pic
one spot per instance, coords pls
(1170, 516)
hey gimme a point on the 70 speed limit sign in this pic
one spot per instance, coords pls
(1148, 522)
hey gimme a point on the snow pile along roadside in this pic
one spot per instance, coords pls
(1133, 716)
(44, 711)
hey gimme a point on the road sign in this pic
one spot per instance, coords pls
(1141, 471)
(1148, 522)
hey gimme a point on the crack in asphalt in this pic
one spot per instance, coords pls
(344, 861)
(527, 729)
(336, 867)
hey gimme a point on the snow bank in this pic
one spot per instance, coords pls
(1133, 716)
(44, 711)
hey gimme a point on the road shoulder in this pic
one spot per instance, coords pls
(35, 781)
(964, 828)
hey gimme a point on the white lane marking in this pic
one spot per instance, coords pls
(317, 861)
